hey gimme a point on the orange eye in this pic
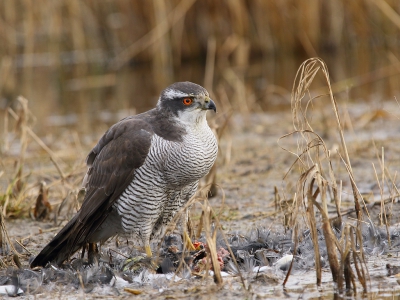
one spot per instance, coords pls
(187, 101)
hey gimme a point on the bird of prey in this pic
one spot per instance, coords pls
(141, 172)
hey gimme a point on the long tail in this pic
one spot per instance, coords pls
(60, 247)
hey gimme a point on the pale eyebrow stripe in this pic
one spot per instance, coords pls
(171, 94)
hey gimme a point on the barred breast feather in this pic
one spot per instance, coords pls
(166, 181)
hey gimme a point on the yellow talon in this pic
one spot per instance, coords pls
(188, 241)
(148, 251)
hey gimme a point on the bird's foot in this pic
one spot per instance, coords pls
(148, 251)
(138, 262)
(93, 254)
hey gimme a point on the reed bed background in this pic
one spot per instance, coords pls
(82, 65)
(83, 57)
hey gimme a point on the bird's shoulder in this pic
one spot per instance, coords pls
(125, 146)
(121, 137)
(112, 164)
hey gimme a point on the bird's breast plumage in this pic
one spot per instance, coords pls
(192, 158)
(167, 179)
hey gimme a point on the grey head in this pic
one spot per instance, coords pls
(187, 101)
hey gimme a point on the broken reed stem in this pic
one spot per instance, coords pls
(385, 172)
(19, 243)
(22, 125)
(383, 203)
(57, 167)
(330, 239)
(357, 207)
(345, 264)
(296, 241)
(313, 228)
(336, 192)
(7, 195)
(211, 243)
(200, 226)
(5, 238)
(356, 259)
(219, 227)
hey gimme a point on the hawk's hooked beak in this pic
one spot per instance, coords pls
(209, 104)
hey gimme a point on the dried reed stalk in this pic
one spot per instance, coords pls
(390, 13)
(211, 242)
(312, 197)
(345, 263)
(295, 235)
(154, 35)
(361, 269)
(7, 246)
(383, 215)
(312, 155)
(330, 239)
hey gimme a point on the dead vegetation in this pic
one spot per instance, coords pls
(247, 54)
(51, 192)
(318, 185)
(23, 153)
(83, 50)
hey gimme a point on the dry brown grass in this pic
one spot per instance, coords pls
(33, 172)
(81, 46)
(229, 36)
(317, 185)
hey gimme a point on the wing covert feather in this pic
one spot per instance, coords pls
(112, 164)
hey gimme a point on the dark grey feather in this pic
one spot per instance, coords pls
(112, 163)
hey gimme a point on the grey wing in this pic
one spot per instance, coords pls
(112, 164)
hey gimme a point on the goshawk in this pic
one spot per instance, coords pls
(141, 172)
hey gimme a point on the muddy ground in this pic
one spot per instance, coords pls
(251, 168)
